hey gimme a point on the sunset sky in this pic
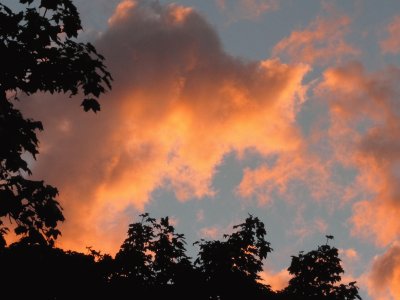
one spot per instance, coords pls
(285, 109)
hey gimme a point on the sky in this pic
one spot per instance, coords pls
(287, 110)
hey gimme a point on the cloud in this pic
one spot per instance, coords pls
(391, 44)
(277, 280)
(121, 11)
(179, 104)
(350, 260)
(349, 254)
(365, 134)
(383, 281)
(212, 232)
(321, 42)
(246, 9)
(298, 165)
(304, 228)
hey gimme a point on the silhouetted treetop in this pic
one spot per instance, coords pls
(317, 274)
(152, 252)
(134, 259)
(152, 263)
(231, 267)
(242, 251)
(170, 259)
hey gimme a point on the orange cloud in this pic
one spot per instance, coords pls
(350, 259)
(365, 133)
(277, 280)
(349, 254)
(391, 44)
(321, 42)
(383, 281)
(179, 104)
(122, 11)
(179, 13)
(297, 165)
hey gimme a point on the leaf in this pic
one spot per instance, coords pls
(20, 230)
(91, 104)
(49, 4)
(26, 1)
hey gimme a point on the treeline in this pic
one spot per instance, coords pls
(152, 263)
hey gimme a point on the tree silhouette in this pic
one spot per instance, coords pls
(152, 259)
(317, 274)
(39, 54)
(231, 268)
(174, 273)
(133, 261)
(152, 262)
(170, 259)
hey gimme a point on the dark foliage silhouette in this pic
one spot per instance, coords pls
(43, 272)
(170, 263)
(317, 274)
(152, 263)
(153, 260)
(134, 260)
(39, 54)
(231, 267)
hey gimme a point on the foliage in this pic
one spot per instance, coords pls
(39, 54)
(134, 259)
(236, 262)
(316, 275)
(152, 259)
(43, 272)
(170, 259)
(152, 262)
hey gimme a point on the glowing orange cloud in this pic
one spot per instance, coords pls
(277, 280)
(297, 164)
(179, 104)
(365, 133)
(349, 254)
(391, 44)
(383, 282)
(121, 11)
(179, 13)
(321, 42)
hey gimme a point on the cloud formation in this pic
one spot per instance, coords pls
(179, 104)
(277, 280)
(298, 165)
(321, 42)
(391, 44)
(383, 281)
(365, 134)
